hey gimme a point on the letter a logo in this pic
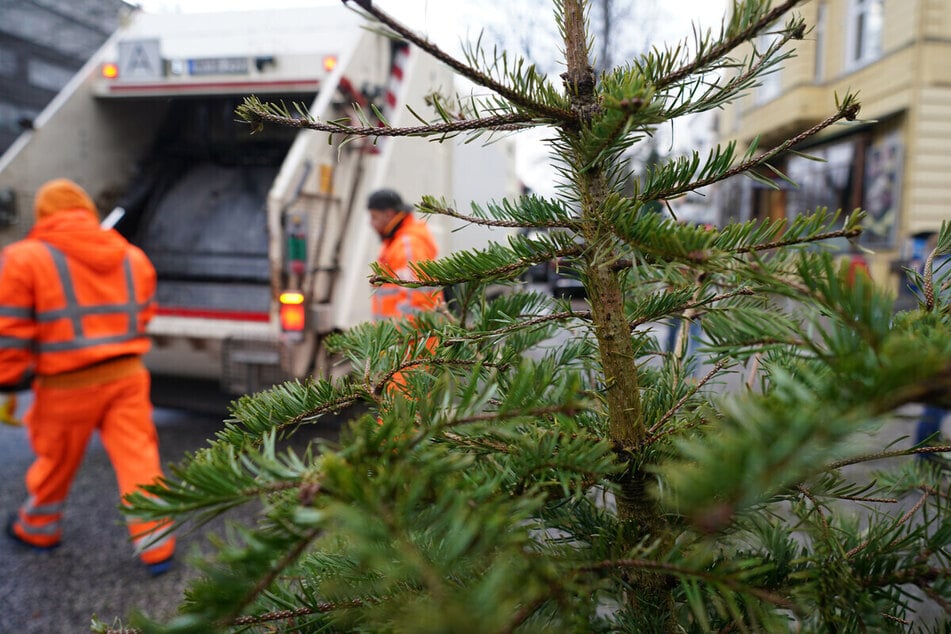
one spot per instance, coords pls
(140, 60)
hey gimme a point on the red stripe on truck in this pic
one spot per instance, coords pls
(201, 313)
(186, 86)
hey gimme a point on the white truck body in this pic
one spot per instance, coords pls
(211, 204)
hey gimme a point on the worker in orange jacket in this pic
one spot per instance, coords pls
(405, 240)
(75, 300)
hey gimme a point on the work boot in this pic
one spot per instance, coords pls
(159, 567)
(12, 534)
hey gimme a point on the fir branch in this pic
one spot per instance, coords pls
(488, 417)
(478, 443)
(537, 412)
(328, 407)
(686, 397)
(499, 272)
(274, 487)
(690, 305)
(883, 455)
(416, 362)
(891, 617)
(516, 97)
(848, 110)
(934, 492)
(441, 210)
(725, 46)
(823, 521)
(258, 113)
(822, 237)
(529, 321)
(902, 520)
(523, 615)
(929, 281)
(284, 615)
(937, 598)
(717, 94)
(859, 498)
(285, 561)
(680, 571)
(920, 577)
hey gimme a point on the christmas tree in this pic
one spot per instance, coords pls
(604, 483)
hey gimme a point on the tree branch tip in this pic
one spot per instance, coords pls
(851, 111)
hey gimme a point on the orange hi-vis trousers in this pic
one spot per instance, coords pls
(112, 398)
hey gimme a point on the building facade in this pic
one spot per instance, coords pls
(42, 45)
(895, 162)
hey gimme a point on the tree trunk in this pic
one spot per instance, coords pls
(622, 390)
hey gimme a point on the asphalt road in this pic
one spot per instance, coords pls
(94, 572)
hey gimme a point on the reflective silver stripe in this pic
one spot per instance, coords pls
(45, 530)
(380, 295)
(101, 309)
(32, 508)
(16, 312)
(71, 311)
(150, 542)
(407, 308)
(62, 346)
(15, 343)
(75, 312)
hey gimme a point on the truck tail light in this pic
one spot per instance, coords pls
(292, 312)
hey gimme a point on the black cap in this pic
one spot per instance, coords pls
(387, 199)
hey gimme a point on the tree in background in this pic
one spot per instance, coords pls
(621, 30)
(595, 485)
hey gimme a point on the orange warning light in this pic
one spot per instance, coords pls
(292, 314)
(330, 62)
(110, 70)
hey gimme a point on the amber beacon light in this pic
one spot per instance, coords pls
(292, 312)
(110, 70)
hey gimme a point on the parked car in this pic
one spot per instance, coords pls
(536, 273)
(564, 280)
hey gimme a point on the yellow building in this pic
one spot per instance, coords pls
(896, 161)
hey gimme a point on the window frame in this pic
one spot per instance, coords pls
(864, 46)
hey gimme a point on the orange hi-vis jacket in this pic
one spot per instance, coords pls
(74, 304)
(411, 241)
(71, 295)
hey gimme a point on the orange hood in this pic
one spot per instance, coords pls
(59, 195)
(77, 234)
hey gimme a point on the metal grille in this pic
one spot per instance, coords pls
(250, 365)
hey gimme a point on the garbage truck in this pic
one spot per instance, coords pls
(260, 238)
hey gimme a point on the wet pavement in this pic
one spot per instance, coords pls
(94, 572)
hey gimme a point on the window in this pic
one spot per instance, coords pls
(820, 63)
(865, 31)
(49, 76)
(827, 182)
(771, 84)
(8, 62)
